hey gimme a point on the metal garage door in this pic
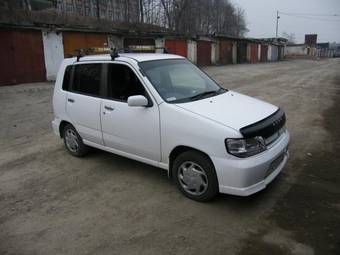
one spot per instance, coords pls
(226, 52)
(21, 57)
(76, 40)
(140, 44)
(264, 53)
(254, 53)
(281, 52)
(275, 53)
(242, 52)
(177, 46)
(203, 53)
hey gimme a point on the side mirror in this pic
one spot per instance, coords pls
(137, 101)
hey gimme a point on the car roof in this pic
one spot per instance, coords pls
(139, 57)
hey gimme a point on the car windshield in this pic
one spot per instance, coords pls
(179, 81)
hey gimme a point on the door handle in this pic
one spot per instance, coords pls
(70, 100)
(108, 108)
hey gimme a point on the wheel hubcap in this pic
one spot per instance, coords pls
(192, 178)
(71, 139)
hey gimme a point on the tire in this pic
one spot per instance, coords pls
(195, 176)
(73, 142)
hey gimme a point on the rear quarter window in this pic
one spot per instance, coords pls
(67, 78)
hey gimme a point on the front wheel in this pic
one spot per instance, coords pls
(195, 176)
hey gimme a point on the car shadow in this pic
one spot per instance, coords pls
(151, 173)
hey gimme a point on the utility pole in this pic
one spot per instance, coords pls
(277, 23)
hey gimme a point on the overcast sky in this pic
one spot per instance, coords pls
(261, 16)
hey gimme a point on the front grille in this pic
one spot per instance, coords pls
(266, 127)
(271, 139)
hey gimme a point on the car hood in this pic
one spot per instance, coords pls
(231, 109)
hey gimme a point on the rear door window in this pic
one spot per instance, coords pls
(87, 79)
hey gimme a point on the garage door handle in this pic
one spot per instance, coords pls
(108, 108)
(70, 100)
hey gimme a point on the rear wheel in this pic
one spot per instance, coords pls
(73, 142)
(194, 175)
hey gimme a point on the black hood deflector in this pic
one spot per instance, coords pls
(266, 127)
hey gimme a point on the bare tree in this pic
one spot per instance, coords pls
(183, 16)
(290, 37)
(97, 9)
(141, 9)
(27, 4)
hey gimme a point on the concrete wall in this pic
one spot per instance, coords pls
(234, 52)
(295, 50)
(259, 52)
(215, 52)
(160, 44)
(269, 53)
(115, 41)
(192, 51)
(53, 53)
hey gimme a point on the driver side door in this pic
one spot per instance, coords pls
(132, 130)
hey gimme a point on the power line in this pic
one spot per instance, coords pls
(310, 18)
(310, 14)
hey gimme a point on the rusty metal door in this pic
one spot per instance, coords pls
(22, 57)
(177, 46)
(242, 52)
(226, 52)
(76, 40)
(264, 53)
(203, 53)
(253, 53)
(146, 45)
(6, 58)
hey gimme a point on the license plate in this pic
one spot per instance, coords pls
(275, 164)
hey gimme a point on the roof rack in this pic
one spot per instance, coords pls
(114, 53)
(95, 50)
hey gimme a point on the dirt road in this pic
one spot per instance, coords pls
(53, 203)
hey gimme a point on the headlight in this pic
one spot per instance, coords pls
(243, 148)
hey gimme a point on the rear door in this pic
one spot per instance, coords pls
(133, 130)
(83, 100)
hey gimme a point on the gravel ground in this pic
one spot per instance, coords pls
(53, 203)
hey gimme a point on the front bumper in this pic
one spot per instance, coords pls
(244, 177)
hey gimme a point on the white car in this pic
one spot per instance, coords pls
(162, 110)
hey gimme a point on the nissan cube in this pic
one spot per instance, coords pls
(162, 110)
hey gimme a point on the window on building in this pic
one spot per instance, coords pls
(123, 82)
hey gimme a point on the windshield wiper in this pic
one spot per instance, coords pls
(207, 93)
